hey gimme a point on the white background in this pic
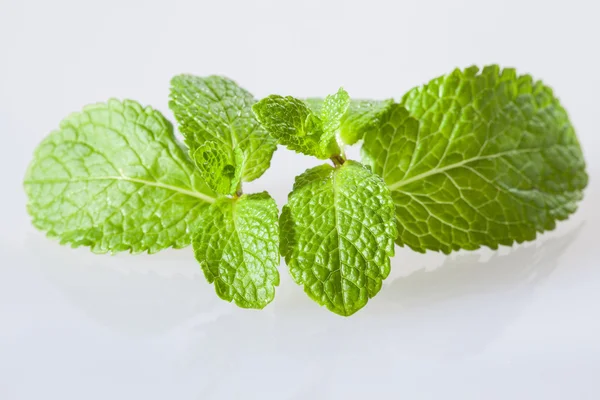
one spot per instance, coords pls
(520, 323)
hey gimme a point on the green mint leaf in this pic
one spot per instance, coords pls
(477, 159)
(360, 117)
(221, 173)
(294, 125)
(237, 249)
(114, 178)
(337, 235)
(215, 108)
(332, 112)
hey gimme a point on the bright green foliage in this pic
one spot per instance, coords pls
(360, 117)
(301, 129)
(295, 126)
(334, 108)
(237, 248)
(337, 235)
(216, 108)
(221, 173)
(473, 158)
(112, 177)
(477, 159)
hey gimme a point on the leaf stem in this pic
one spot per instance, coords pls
(239, 192)
(338, 160)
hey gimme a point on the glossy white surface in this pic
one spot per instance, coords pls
(519, 323)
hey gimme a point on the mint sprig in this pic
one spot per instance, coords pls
(297, 126)
(473, 158)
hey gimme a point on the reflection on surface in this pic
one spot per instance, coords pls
(489, 292)
(453, 311)
(470, 273)
(132, 294)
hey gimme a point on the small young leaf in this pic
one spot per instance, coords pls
(216, 108)
(237, 249)
(221, 173)
(337, 235)
(294, 125)
(360, 117)
(477, 159)
(113, 177)
(334, 108)
(302, 129)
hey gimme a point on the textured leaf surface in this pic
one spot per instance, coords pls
(360, 117)
(216, 108)
(337, 235)
(221, 173)
(334, 109)
(477, 159)
(295, 126)
(112, 177)
(237, 248)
